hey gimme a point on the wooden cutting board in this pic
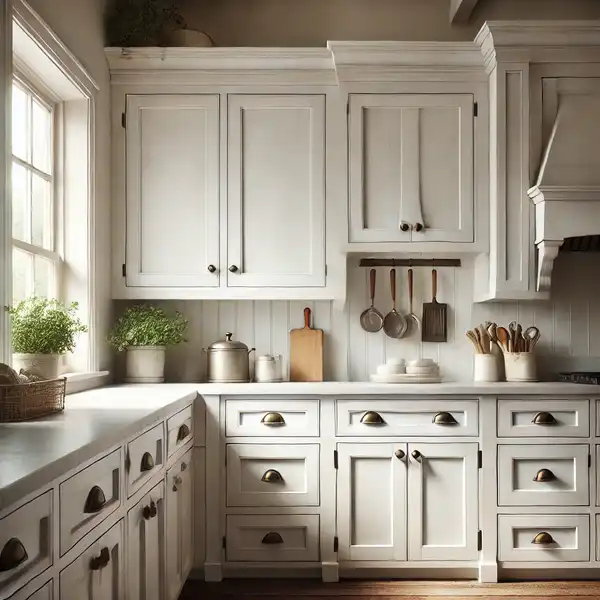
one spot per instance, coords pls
(306, 352)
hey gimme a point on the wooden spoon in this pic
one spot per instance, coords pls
(503, 338)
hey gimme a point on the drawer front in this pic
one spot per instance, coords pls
(98, 572)
(144, 458)
(88, 497)
(26, 539)
(543, 418)
(273, 538)
(272, 418)
(180, 430)
(543, 538)
(407, 417)
(46, 592)
(543, 475)
(272, 475)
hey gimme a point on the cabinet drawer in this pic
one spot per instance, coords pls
(98, 572)
(88, 497)
(272, 418)
(543, 418)
(180, 430)
(46, 592)
(407, 417)
(144, 458)
(26, 536)
(543, 538)
(549, 475)
(272, 475)
(273, 538)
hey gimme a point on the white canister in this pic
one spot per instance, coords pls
(520, 366)
(486, 368)
(267, 368)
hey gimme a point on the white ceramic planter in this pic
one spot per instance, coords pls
(145, 364)
(46, 365)
(190, 38)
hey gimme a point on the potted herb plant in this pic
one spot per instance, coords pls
(42, 330)
(143, 332)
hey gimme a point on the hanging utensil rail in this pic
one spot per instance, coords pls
(410, 262)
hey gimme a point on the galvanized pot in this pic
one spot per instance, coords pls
(228, 361)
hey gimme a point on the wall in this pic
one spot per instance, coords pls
(313, 22)
(569, 323)
(79, 25)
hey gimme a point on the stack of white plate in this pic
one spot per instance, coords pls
(423, 370)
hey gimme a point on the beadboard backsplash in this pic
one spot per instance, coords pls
(569, 323)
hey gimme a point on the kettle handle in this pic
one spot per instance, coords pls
(251, 350)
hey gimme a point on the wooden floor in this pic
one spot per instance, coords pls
(387, 590)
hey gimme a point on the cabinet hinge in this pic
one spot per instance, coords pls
(335, 459)
(124, 270)
(476, 109)
(224, 543)
(226, 459)
(124, 120)
(347, 108)
(127, 461)
(479, 540)
(479, 459)
(325, 270)
(336, 543)
(589, 460)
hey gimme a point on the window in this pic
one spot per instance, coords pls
(36, 261)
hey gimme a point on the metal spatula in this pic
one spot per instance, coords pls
(435, 321)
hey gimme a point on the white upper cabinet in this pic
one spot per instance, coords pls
(411, 168)
(276, 191)
(172, 191)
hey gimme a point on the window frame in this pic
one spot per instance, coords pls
(49, 100)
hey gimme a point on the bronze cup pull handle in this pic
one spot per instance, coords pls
(272, 538)
(272, 476)
(444, 418)
(99, 562)
(372, 418)
(95, 500)
(13, 554)
(183, 432)
(544, 475)
(147, 463)
(543, 538)
(273, 419)
(544, 418)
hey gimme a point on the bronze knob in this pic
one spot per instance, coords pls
(400, 454)
(419, 227)
(233, 269)
(211, 268)
(416, 455)
(99, 562)
(404, 227)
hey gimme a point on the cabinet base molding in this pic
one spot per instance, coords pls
(406, 571)
(272, 570)
(549, 572)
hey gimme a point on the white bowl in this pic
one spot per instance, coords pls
(429, 370)
(422, 362)
(391, 369)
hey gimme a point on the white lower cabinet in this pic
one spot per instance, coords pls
(442, 501)
(179, 545)
(372, 501)
(146, 547)
(46, 592)
(97, 573)
(415, 501)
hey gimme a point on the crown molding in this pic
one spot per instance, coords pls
(539, 41)
(218, 59)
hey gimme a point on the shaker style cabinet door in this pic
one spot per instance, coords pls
(442, 501)
(411, 168)
(179, 524)
(276, 191)
(372, 501)
(172, 150)
(146, 547)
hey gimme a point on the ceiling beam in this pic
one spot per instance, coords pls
(460, 10)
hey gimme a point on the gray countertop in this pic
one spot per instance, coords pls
(33, 453)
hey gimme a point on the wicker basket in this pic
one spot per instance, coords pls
(23, 401)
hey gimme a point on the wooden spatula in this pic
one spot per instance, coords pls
(435, 321)
(306, 352)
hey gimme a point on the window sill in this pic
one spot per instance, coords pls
(80, 382)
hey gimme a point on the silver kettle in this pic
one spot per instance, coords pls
(228, 361)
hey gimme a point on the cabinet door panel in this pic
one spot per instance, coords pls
(411, 161)
(372, 502)
(145, 547)
(442, 502)
(276, 190)
(179, 524)
(172, 190)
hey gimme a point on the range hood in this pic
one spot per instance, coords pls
(567, 190)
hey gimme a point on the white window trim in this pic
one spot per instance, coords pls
(73, 83)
